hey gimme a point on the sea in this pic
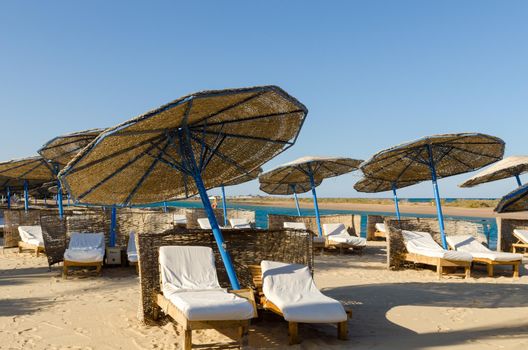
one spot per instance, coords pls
(489, 225)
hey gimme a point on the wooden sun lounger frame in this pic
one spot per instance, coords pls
(380, 234)
(293, 327)
(27, 246)
(168, 308)
(67, 263)
(520, 245)
(439, 263)
(491, 263)
(342, 246)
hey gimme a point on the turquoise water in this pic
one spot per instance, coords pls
(489, 225)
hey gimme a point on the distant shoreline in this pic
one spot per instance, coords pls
(416, 208)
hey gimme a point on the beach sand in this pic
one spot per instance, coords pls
(408, 309)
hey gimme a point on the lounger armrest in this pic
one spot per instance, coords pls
(248, 294)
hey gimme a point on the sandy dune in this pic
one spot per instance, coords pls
(392, 309)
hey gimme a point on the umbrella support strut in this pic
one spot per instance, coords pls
(8, 189)
(59, 193)
(297, 204)
(224, 205)
(316, 206)
(437, 198)
(518, 178)
(396, 202)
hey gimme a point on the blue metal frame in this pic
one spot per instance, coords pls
(113, 223)
(316, 205)
(396, 204)
(59, 192)
(8, 189)
(297, 204)
(26, 196)
(165, 207)
(518, 178)
(437, 197)
(224, 206)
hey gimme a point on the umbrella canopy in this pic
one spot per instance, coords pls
(512, 166)
(286, 188)
(517, 200)
(62, 149)
(433, 157)
(28, 172)
(371, 185)
(194, 143)
(310, 170)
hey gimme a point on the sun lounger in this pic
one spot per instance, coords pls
(318, 242)
(85, 250)
(422, 249)
(192, 296)
(381, 231)
(240, 223)
(31, 239)
(481, 254)
(289, 291)
(132, 254)
(337, 236)
(180, 220)
(204, 223)
(522, 240)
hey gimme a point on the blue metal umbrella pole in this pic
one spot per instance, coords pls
(59, 192)
(396, 204)
(224, 206)
(113, 223)
(165, 207)
(26, 196)
(437, 198)
(8, 197)
(316, 206)
(518, 178)
(296, 200)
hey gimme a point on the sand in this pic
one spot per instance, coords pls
(407, 309)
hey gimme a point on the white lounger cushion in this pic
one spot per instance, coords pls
(337, 233)
(295, 225)
(292, 289)
(189, 281)
(422, 243)
(240, 223)
(131, 248)
(85, 247)
(204, 223)
(31, 235)
(521, 235)
(468, 244)
(180, 219)
(380, 227)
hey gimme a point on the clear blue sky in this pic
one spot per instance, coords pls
(372, 73)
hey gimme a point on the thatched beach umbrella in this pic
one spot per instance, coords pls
(372, 185)
(185, 147)
(512, 166)
(312, 170)
(237, 181)
(60, 150)
(434, 157)
(32, 171)
(287, 189)
(515, 201)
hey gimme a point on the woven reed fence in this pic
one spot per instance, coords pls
(18, 217)
(247, 247)
(193, 214)
(505, 237)
(396, 247)
(372, 220)
(56, 232)
(351, 222)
